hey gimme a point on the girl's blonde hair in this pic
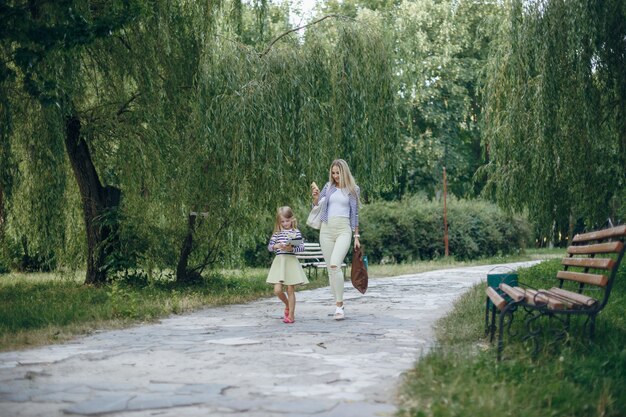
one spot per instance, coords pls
(287, 213)
(345, 177)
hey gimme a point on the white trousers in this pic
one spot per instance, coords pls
(335, 239)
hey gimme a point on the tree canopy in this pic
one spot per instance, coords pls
(555, 124)
(164, 114)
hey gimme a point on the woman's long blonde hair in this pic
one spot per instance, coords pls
(287, 213)
(346, 180)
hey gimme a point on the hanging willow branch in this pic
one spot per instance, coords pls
(295, 30)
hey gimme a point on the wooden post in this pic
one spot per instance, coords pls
(445, 215)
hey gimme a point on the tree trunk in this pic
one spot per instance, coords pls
(1, 211)
(96, 201)
(181, 269)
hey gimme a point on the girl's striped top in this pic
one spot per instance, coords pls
(284, 236)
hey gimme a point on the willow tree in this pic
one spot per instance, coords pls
(49, 86)
(263, 124)
(104, 88)
(555, 120)
(441, 48)
(154, 105)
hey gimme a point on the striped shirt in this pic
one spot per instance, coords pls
(327, 191)
(284, 236)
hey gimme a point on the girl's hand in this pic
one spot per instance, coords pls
(288, 248)
(357, 244)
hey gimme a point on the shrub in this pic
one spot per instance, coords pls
(412, 229)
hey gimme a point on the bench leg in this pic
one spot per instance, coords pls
(508, 311)
(487, 327)
(493, 323)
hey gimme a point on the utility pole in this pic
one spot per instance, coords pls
(445, 214)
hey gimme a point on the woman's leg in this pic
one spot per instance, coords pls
(335, 239)
(340, 250)
(327, 244)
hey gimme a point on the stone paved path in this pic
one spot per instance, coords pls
(242, 360)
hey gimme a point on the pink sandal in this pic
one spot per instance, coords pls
(286, 312)
(288, 320)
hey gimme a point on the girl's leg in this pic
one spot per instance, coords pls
(278, 290)
(291, 296)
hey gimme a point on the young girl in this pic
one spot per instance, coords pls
(286, 269)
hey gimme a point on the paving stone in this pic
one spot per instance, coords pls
(101, 405)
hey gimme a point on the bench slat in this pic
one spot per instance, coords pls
(542, 297)
(593, 279)
(617, 231)
(584, 300)
(597, 263)
(496, 298)
(609, 247)
(512, 292)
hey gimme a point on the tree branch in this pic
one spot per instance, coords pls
(295, 30)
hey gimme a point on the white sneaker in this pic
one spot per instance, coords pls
(339, 313)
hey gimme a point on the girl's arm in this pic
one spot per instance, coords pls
(273, 241)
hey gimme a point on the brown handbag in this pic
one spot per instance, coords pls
(358, 273)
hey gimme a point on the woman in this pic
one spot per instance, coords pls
(340, 223)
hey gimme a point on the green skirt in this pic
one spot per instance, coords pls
(286, 269)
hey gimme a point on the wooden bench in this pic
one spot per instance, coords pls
(582, 288)
(313, 259)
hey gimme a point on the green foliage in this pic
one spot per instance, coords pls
(554, 123)
(460, 376)
(413, 230)
(440, 50)
(181, 118)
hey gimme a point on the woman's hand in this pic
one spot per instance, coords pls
(315, 192)
(357, 243)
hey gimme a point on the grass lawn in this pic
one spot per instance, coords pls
(461, 377)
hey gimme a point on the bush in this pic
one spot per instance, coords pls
(412, 230)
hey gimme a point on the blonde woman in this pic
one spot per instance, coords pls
(340, 199)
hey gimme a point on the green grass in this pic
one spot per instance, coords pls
(45, 308)
(461, 377)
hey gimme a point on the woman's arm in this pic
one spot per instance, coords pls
(317, 194)
(353, 201)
